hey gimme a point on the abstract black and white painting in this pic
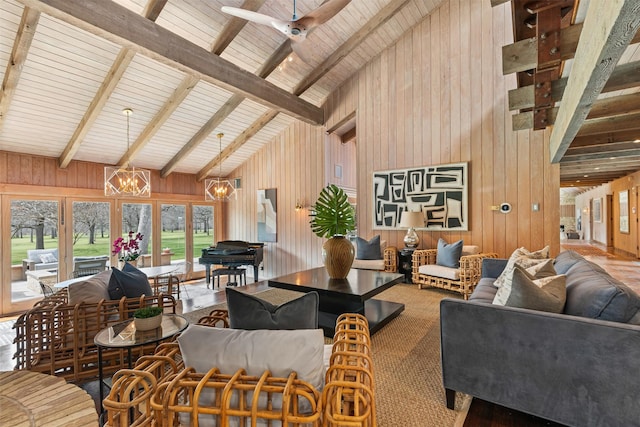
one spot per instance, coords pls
(439, 192)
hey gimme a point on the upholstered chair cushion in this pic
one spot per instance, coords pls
(128, 282)
(368, 249)
(448, 254)
(91, 290)
(250, 312)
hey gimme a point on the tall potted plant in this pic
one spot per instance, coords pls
(333, 217)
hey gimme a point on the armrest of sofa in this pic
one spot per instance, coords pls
(568, 369)
(423, 257)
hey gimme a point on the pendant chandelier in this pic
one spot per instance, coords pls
(127, 181)
(218, 189)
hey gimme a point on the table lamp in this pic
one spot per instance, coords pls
(411, 220)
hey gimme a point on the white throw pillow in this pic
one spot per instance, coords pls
(48, 258)
(545, 294)
(524, 258)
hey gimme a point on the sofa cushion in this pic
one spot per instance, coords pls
(543, 268)
(440, 271)
(48, 258)
(368, 249)
(33, 255)
(484, 291)
(545, 294)
(448, 254)
(591, 292)
(565, 260)
(128, 282)
(250, 312)
(523, 258)
(278, 351)
(91, 290)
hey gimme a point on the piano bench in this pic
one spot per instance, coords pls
(237, 273)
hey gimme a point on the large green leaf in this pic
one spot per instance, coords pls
(333, 215)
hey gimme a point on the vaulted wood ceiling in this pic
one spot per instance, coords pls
(578, 69)
(188, 71)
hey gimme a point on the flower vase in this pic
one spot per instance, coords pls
(133, 262)
(338, 254)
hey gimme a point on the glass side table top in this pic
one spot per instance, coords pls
(124, 334)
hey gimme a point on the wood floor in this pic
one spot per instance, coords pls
(623, 268)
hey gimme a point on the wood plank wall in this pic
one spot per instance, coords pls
(293, 164)
(437, 96)
(625, 243)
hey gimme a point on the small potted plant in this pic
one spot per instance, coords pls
(147, 318)
(333, 217)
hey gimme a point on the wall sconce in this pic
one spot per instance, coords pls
(298, 206)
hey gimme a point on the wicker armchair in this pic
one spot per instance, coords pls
(56, 338)
(160, 390)
(462, 280)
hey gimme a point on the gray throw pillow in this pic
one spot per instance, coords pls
(368, 250)
(128, 282)
(448, 254)
(250, 312)
(546, 294)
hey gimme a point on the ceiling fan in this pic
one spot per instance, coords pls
(296, 29)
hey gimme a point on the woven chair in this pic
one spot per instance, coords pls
(82, 272)
(462, 280)
(167, 284)
(182, 272)
(46, 289)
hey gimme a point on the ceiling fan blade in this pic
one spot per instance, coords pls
(249, 15)
(323, 13)
(303, 50)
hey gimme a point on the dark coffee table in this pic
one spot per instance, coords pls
(351, 295)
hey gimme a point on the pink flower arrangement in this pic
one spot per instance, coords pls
(128, 250)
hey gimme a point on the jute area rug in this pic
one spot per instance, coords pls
(406, 357)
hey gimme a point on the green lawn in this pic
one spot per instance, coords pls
(174, 240)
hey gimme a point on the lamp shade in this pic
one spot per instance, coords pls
(411, 220)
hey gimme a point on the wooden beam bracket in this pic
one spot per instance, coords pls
(548, 36)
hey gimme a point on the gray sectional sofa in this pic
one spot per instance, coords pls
(579, 368)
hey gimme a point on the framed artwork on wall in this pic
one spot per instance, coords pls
(267, 218)
(439, 192)
(597, 210)
(623, 198)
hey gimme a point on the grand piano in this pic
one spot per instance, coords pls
(232, 253)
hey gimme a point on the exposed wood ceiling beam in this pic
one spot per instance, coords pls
(246, 135)
(120, 64)
(267, 68)
(109, 84)
(21, 44)
(608, 124)
(347, 47)
(628, 153)
(605, 107)
(625, 76)
(229, 32)
(605, 138)
(119, 25)
(608, 149)
(523, 55)
(380, 18)
(159, 119)
(608, 28)
(233, 27)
